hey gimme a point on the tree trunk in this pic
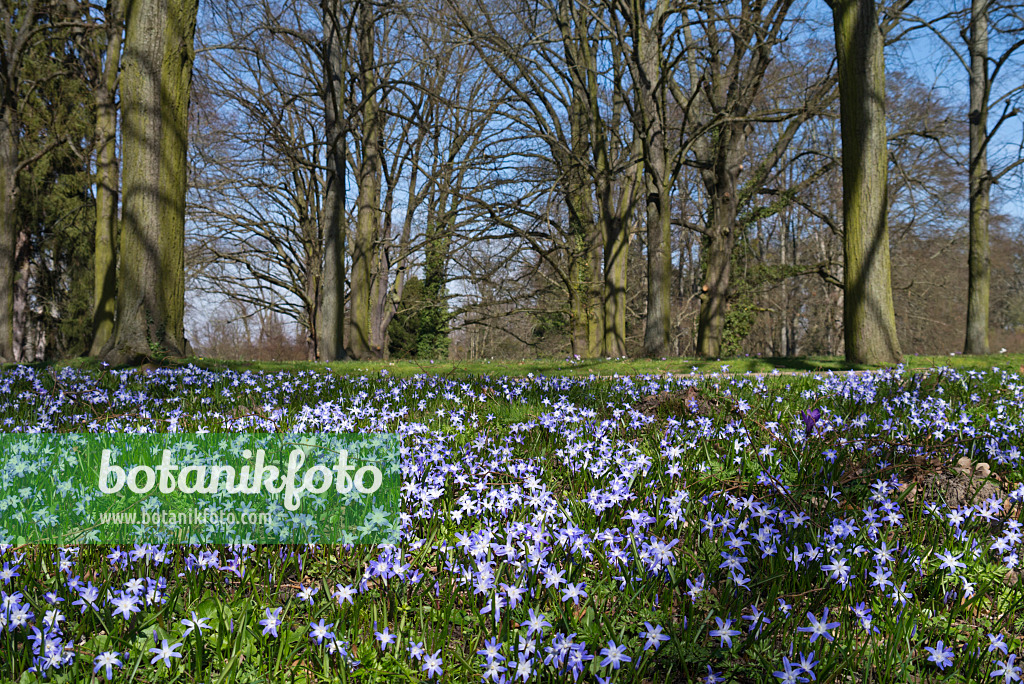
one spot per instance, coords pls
(659, 268)
(650, 86)
(869, 322)
(312, 250)
(22, 338)
(616, 254)
(8, 229)
(980, 185)
(718, 246)
(382, 269)
(722, 183)
(155, 87)
(331, 310)
(107, 186)
(595, 292)
(581, 229)
(614, 215)
(368, 207)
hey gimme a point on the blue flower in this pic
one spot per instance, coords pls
(724, 633)
(107, 659)
(1007, 670)
(788, 675)
(940, 655)
(164, 653)
(616, 655)
(819, 628)
(320, 631)
(432, 665)
(271, 622)
(654, 636)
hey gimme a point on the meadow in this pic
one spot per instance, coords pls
(609, 522)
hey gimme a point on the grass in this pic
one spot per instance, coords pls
(580, 368)
(715, 510)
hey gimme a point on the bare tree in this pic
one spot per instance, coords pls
(739, 49)
(329, 314)
(984, 70)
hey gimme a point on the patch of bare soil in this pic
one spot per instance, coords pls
(684, 403)
(964, 484)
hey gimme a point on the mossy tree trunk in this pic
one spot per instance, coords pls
(368, 202)
(8, 227)
(107, 184)
(869, 321)
(155, 86)
(582, 232)
(585, 146)
(722, 182)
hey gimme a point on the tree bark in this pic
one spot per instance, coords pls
(980, 184)
(22, 338)
(581, 227)
(368, 202)
(155, 86)
(8, 229)
(107, 186)
(723, 185)
(869, 321)
(650, 85)
(586, 141)
(331, 310)
(614, 217)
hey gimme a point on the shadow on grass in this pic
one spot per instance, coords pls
(548, 367)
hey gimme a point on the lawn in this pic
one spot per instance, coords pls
(615, 521)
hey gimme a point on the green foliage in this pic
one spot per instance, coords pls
(404, 331)
(434, 317)
(751, 277)
(433, 338)
(551, 324)
(419, 329)
(56, 209)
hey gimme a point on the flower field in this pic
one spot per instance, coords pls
(722, 528)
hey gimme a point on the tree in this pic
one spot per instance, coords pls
(740, 49)
(988, 88)
(649, 68)
(107, 181)
(547, 57)
(22, 25)
(155, 88)
(368, 181)
(52, 303)
(983, 71)
(869, 321)
(330, 308)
